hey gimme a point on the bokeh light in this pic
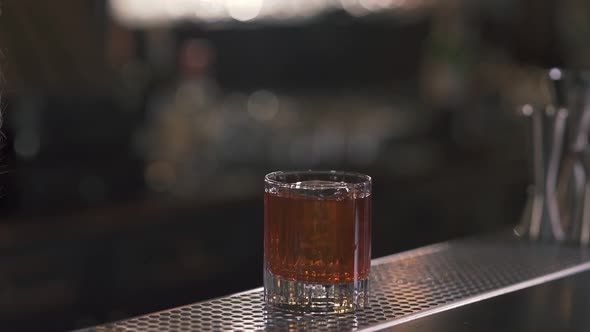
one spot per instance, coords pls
(154, 12)
(243, 10)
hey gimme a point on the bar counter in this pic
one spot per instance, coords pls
(495, 282)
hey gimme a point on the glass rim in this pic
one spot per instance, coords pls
(364, 180)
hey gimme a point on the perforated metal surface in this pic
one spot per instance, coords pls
(403, 286)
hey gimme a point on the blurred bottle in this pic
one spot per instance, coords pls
(176, 140)
(448, 57)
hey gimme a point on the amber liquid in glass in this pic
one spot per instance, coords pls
(317, 240)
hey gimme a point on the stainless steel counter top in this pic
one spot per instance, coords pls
(405, 287)
(559, 305)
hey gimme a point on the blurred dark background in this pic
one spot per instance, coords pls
(137, 134)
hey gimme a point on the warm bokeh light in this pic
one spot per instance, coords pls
(555, 74)
(153, 12)
(263, 105)
(243, 10)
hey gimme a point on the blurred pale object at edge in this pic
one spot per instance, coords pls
(154, 12)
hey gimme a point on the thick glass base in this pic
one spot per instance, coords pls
(301, 297)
